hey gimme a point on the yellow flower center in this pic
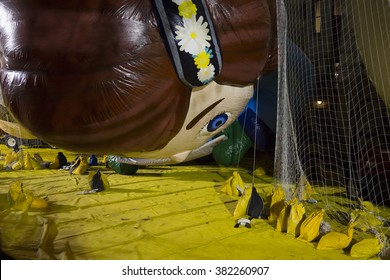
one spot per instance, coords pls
(193, 35)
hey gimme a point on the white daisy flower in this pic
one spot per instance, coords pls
(206, 74)
(193, 36)
(178, 2)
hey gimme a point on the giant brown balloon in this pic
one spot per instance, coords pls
(97, 75)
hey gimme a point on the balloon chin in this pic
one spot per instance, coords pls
(202, 151)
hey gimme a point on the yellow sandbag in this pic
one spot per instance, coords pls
(250, 204)
(228, 189)
(336, 240)
(366, 248)
(281, 221)
(303, 189)
(14, 190)
(310, 227)
(366, 220)
(242, 203)
(20, 155)
(238, 183)
(35, 163)
(234, 185)
(259, 172)
(27, 162)
(10, 157)
(20, 199)
(295, 218)
(307, 190)
(277, 203)
(55, 164)
(105, 158)
(82, 167)
(38, 158)
(31, 163)
(98, 181)
(368, 206)
(17, 165)
(39, 203)
(23, 201)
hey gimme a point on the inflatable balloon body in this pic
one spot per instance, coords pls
(255, 126)
(259, 118)
(140, 78)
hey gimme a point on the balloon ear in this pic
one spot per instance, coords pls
(189, 36)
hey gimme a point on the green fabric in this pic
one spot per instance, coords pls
(231, 151)
(121, 168)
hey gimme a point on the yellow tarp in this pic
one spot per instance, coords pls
(16, 130)
(161, 212)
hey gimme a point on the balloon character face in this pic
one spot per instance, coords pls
(98, 76)
(212, 108)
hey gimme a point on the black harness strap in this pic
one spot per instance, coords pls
(189, 36)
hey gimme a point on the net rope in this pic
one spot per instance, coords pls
(333, 127)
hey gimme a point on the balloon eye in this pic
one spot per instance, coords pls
(217, 122)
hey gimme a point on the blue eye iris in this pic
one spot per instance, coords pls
(217, 122)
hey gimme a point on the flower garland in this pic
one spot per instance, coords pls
(193, 38)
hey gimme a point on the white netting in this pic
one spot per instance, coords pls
(334, 101)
